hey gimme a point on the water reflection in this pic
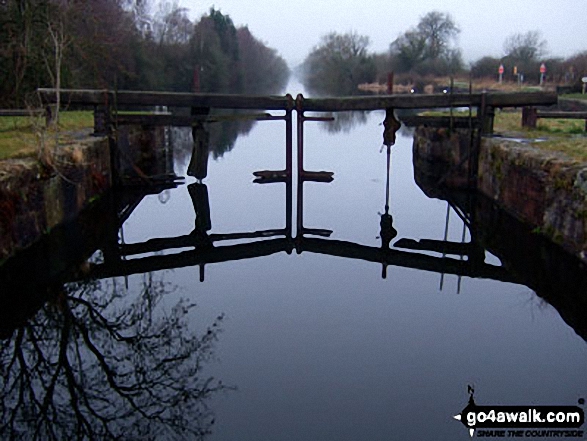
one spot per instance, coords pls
(223, 128)
(94, 363)
(296, 336)
(344, 122)
(554, 275)
(98, 359)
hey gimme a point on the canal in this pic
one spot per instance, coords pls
(270, 342)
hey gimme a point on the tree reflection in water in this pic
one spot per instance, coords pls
(92, 365)
(344, 122)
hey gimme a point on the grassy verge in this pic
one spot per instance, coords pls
(575, 96)
(566, 136)
(558, 135)
(20, 136)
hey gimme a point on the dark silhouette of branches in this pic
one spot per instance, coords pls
(92, 364)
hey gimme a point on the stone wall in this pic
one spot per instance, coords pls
(546, 190)
(142, 151)
(35, 198)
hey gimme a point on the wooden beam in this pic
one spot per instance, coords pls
(412, 101)
(338, 104)
(459, 122)
(190, 258)
(562, 115)
(188, 120)
(22, 112)
(172, 99)
(405, 259)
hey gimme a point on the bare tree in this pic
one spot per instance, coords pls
(90, 365)
(339, 63)
(59, 41)
(437, 29)
(427, 48)
(525, 47)
(172, 24)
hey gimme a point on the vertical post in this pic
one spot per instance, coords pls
(474, 154)
(101, 120)
(300, 109)
(203, 224)
(452, 85)
(196, 84)
(390, 76)
(198, 166)
(300, 192)
(488, 120)
(288, 165)
(529, 117)
(48, 116)
(289, 136)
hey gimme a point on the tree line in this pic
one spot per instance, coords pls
(340, 62)
(122, 44)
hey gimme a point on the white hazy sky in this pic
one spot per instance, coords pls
(295, 27)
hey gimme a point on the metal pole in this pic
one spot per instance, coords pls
(288, 170)
(387, 184)
(445, 238)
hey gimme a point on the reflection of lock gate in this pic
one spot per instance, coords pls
(278, 240)
(106, 118)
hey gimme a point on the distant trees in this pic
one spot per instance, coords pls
(22, 48)
(485, 67)
(270, 73)
(338, 64)
(427, 48)
(525, 47)
(117, 44)
(576, 67)
(522, 52)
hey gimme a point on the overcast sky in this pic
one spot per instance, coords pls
(295, 27)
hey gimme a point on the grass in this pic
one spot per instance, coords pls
(575, 148)
(575, 96)
(566, 136)
(19, 136)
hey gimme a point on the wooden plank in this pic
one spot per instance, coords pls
(562, 115)
(158, 120)
(172, 99)
(338, 104)
(187, 120)
(404, 259)
(520, 99)
(459, 122)
(402, 101)
(21, 112)
(426, 101)
(190, 258)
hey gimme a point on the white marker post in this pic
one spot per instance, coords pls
(584, 80)
(500, 71)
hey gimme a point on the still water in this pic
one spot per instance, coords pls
(272, 343)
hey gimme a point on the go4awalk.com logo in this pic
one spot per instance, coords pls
(522, 421)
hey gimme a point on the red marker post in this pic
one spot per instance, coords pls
(542, 73)
(500, 71)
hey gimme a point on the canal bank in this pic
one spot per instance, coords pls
(546, 190)
(37, 196)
